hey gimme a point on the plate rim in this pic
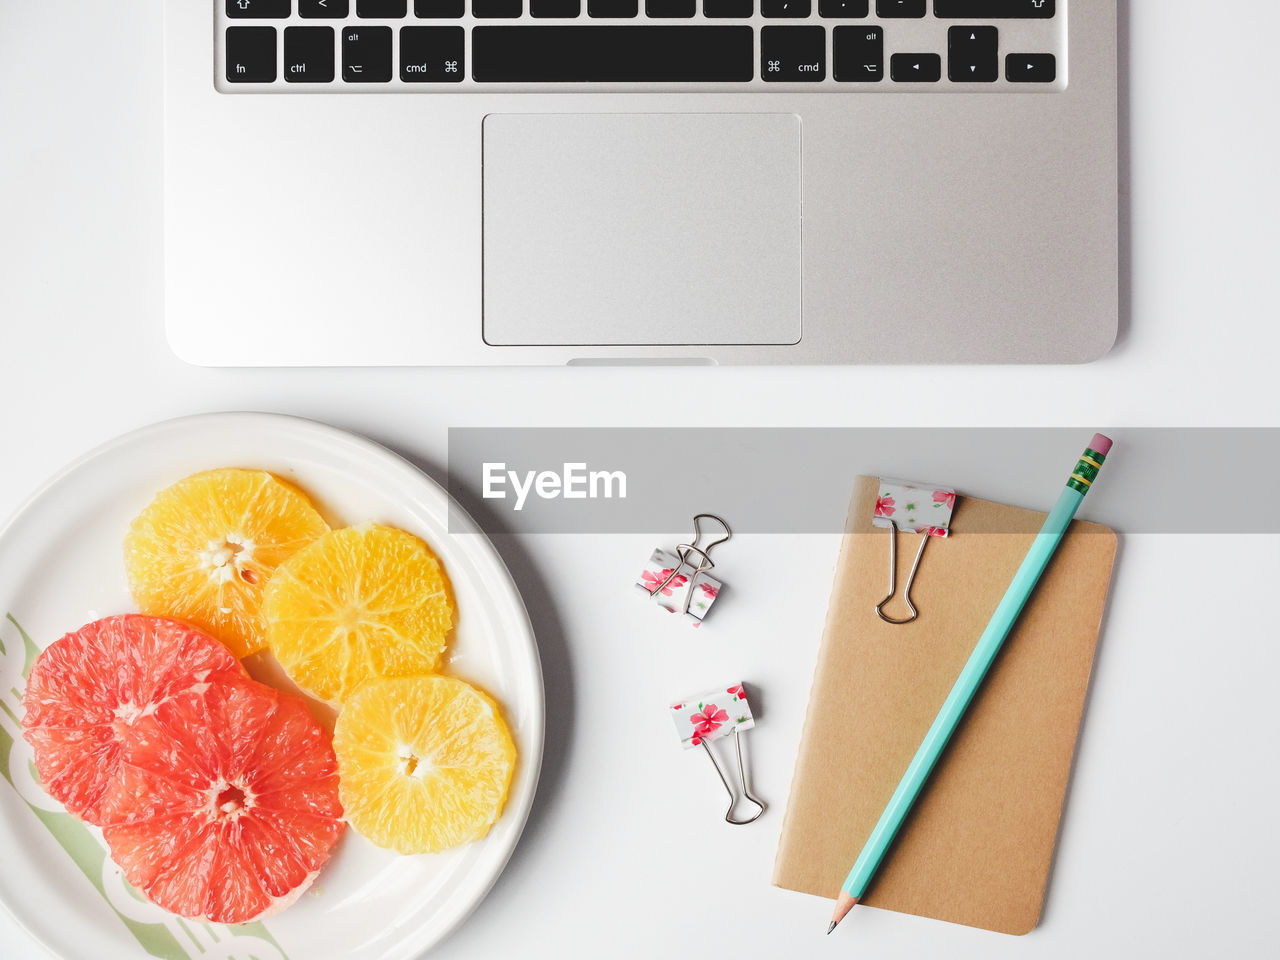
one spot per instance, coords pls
(460, 522)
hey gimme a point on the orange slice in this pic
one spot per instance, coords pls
(424, 763)
(363, 602)
(204, 549)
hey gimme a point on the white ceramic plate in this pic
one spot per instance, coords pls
(61, 566)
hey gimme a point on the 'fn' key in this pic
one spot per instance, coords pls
(251, 54)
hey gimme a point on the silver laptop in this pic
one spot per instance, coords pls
(580, 181)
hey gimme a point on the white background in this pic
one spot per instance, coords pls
(1169, 842)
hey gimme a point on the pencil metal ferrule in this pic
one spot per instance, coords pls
(1086, 470)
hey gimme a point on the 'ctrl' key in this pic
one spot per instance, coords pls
(793, 54)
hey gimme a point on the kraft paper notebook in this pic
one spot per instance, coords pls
(978, 845)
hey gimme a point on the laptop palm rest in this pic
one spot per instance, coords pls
(641, 229)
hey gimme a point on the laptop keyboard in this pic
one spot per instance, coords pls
(452, 45)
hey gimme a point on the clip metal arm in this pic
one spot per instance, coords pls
(742, 776)
(893, 577)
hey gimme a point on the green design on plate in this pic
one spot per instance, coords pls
(87, 852)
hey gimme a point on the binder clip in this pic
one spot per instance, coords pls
(714, 716)
(911, 508)
(679, 581)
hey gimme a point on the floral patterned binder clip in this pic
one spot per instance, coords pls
(714, 716)
(679, 581)
(911, 508)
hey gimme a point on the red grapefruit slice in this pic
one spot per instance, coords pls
(228, 803)
(87, 691)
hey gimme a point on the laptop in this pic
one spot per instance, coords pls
(430, 182)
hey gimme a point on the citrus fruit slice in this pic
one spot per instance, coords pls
(87, 690)
(228, 805)
(363, 602)
(204, 548)
(424, 762)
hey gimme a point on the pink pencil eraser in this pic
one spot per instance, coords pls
(1100, 443)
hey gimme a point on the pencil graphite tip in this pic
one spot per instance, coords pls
(844, 904)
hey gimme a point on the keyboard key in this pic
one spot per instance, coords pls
(308, 54)
(439, 9)
(381, 9)
(613, 9)
(993, 9)
(366, 54)
(555, 8)
(604, 54)
(323, 9)
(497, 9)
(1031, 68)
(857, 54)
(785, 8)
(258, 9)
(972, 54)
(251, 54)
(728, 9)
(845, 9)
(793, 54)
(915, 67)
(432, 54)
(670, 8)
(890, 9)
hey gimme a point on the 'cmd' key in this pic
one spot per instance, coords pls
(793, 54)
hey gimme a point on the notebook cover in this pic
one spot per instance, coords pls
(977, 847)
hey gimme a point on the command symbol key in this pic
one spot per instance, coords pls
(431, 54)
(790, 54)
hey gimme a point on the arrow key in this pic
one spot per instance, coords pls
(258, 9)
(1030, 68)
(915, 68)
(324, 9)
(972, 54)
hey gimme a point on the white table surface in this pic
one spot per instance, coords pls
(1169, 841)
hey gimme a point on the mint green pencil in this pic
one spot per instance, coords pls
(966, 685)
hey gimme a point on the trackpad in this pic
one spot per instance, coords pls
(643, 229)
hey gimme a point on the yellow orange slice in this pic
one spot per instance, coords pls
(359, 603)
(424, 763)
(204, 549)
